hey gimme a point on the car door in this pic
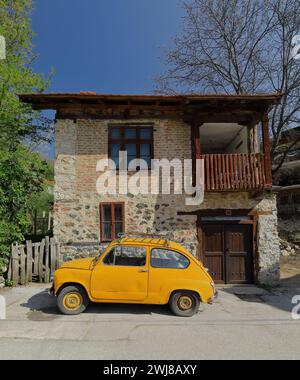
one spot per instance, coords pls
(121, 275)
(168, 269)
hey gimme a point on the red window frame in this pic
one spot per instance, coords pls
(138, 141)
(112, 222)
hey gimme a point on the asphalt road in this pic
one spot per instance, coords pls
(255, 324)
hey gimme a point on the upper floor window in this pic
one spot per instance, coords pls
(136, 141)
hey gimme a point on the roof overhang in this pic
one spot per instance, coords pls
(211, 108)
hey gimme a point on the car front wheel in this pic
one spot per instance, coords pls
(72, 300)
(184, 303)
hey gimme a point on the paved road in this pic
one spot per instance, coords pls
(254, 324)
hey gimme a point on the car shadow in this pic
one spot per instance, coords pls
(42, 306)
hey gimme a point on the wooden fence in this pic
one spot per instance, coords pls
(34, 262)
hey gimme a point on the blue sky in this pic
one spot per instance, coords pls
(108, 46)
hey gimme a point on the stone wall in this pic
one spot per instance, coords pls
(76, 212)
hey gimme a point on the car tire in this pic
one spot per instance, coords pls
(184, 303)
(72, 300)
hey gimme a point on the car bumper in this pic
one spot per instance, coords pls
(214, 298)
(51, 290)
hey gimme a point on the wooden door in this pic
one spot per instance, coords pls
(227, 252)
(238, 254)
(213, 248)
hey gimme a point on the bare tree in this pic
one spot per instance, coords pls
(239, 47)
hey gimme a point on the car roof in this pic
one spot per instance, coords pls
(156, 242)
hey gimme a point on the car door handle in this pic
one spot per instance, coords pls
(143, 271)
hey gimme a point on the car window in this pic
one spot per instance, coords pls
(164, 258)
(126, 256)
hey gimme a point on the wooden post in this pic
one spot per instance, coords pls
(29, 261)
(47, 259)
(15, 264)
(36, 258)
(196, 145)
(22, 265)
(9, 273)
(267, 149)
(41, 259)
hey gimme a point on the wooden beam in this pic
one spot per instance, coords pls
(102, 111)
(196, 139)
(219, 212)
(195, 144)
(267, 149)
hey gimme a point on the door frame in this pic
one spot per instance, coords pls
(242, 213)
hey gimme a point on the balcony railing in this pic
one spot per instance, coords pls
(234, 172)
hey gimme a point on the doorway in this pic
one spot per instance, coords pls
(227, 252)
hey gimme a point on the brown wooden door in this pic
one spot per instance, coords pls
(213, 248)
(227, 252)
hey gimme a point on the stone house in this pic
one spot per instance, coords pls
(234, 230)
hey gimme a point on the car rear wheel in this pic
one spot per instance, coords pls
(72, 300)
(184, 303)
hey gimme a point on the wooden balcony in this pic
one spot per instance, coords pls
(235, 172)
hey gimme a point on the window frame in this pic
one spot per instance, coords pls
(138, 141)
(113, 221)
(171, 250)
(126, 266)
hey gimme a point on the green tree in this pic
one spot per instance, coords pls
(42, 202)
(21, 171)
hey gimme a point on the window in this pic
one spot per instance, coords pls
(136, 141)
(111, 220)
(164, 258)
(126, 257)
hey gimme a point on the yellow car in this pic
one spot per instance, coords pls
(137, 271)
